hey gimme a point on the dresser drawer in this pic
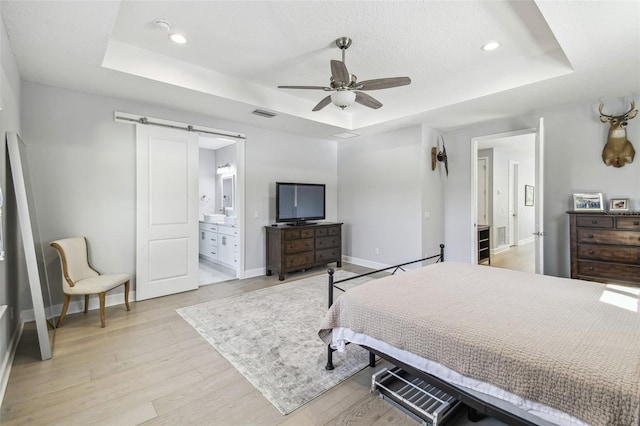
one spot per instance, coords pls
(330, 255)
(326, 242)
(328, 231)
(298, 246)
(301, 260)
(296, 234)
(594, 221)
(605, 236)
(617, 254)
(628, 223)
(609, 271)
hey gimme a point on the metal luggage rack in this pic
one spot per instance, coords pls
(423, 402)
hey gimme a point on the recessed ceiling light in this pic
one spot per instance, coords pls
(178, 38)
(492, 45)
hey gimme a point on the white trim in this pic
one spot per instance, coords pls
(528, 240)
(252, 273)
(500, 249)
(77, 305)
(365, 263)
(7, 362)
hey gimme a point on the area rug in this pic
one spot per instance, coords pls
(271, 337)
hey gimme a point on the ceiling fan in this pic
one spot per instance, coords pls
(346, 87)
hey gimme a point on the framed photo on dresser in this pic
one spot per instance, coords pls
(588, 202)
(619, 204)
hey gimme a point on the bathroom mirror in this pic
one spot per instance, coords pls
(227, 192)
(32, 244)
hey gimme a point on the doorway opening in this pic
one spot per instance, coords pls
(219, 198)
(505, 163)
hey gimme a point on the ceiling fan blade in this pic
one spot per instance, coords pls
(368, 101)
(339, 72)
(323, 103)
(384, 83)
(305, 87)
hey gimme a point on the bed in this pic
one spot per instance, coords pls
(549, 349)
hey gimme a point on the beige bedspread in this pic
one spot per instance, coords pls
(547, 339)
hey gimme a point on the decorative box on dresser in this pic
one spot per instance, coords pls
(605, 246)
(294, 248)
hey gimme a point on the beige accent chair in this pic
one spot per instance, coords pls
(79, 278)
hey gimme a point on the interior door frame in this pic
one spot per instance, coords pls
(539, 166)
(514, 170)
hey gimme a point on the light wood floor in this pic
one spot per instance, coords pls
(148, 366)
(519, 258)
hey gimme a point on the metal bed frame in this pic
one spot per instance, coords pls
(477, 407)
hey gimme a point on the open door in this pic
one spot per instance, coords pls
(167, 211)
(539, 197)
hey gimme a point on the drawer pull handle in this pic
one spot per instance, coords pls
(591, 268)
(636, 223)
(595, 221)
(590, 235)
(591, 252)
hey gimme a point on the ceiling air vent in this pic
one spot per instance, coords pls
(263, 113)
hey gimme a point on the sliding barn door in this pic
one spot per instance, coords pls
(167, 211)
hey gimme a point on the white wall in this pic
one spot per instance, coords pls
(574, 138)
(432, 195)
(84, 172)
(384, 189)
(207, 181)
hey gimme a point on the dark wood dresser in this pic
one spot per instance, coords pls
(294, 248)
(605, 247)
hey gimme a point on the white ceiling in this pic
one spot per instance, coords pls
(553, 53)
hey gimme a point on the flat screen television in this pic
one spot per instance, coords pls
(299, 202)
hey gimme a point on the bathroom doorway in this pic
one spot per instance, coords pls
(219, 254)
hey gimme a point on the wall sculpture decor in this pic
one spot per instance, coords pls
(618, 151)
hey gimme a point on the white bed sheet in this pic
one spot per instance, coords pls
(342, 335)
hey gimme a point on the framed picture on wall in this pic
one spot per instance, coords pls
(589, 201)
(619, 204)
(528, 195)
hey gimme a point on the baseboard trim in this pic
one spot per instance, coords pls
(252, 273)
(527, 240)
(499, 249)
(7, 362)
(77, 305)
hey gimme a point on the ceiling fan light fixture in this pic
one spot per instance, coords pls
(343, 98)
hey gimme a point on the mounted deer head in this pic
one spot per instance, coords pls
(618, 151)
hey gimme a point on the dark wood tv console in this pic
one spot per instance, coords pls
(295, 248)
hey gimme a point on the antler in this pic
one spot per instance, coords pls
(633, 106)
(606, 115)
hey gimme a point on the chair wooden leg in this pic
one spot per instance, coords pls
(127, 285)
(86, 303)
(102, 320)
(65, 306)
